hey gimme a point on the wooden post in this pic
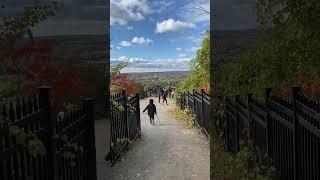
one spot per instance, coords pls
(88, 105)
(51, 142)
(267, 119)
(138, 114)
(295, 93)
(237, 123)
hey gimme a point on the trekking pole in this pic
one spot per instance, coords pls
(158, 118)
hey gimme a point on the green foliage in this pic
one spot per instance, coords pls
(200, 69)
(14, 28)
(288, 49)
(28, 141)
(6, 88)
(185, 115)
(117, 147)
(118, 106)
(247, 164)
(117, 68)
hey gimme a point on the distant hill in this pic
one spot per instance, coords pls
(82, 47)
(230, 44)
(172, 75)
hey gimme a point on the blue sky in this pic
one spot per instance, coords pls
(156, 35)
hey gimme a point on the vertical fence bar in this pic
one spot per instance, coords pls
(194, 101)
(138, 114)
(267, 120)
(91, 164)
(202, 111)
(249, 99)
(295, 91)
(237, 123)
(125, 105)
(227, 124)
(45, 103)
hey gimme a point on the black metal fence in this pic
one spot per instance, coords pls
(199, 104)
(287, 129)
(36, 115)
(125, 123)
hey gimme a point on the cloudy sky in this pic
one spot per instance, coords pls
(156, 35)
(75, 17)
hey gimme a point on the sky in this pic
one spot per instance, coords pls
(153, 35)
(156, 35)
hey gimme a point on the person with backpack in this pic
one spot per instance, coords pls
(159, 95)
(152, 110)
(164, 97)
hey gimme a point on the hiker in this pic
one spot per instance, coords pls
(164, 97)
(152, 110)
(159, 95)
(170, 91)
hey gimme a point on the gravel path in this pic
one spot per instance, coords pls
(168, 151)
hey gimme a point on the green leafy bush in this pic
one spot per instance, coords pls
(185, 115)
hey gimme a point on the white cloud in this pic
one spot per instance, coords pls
(160, 6)
(118, 47)
(141, 40)
(147, 65)
(179, 49)
(123, 58)
(125, 43)
(192, 49)
(182, 55)
(130, 28)
(124, 11)
(173, 26)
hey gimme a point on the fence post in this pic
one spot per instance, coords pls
(267, 119)
(138, 114)
(202, 111)
(125, 105)
(295, 93)
(249, 98)
(227, 126)
(237, 123)
(45, 103)
(194, 101)
(88, 105)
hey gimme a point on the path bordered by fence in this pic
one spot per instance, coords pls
(125, 123)
(287, 129)
(35, 114)
(199, 104)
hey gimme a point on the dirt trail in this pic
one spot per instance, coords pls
(166, 151)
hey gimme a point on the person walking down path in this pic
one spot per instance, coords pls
(168, 151)
(152, 110)
(159, 95)
(164, 96)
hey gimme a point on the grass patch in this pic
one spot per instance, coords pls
(185, 116)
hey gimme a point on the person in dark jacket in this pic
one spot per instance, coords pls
(164, 96)
(152, 110)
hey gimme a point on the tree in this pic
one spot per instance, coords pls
(286, 53)
(119, 81)
(200, 69)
